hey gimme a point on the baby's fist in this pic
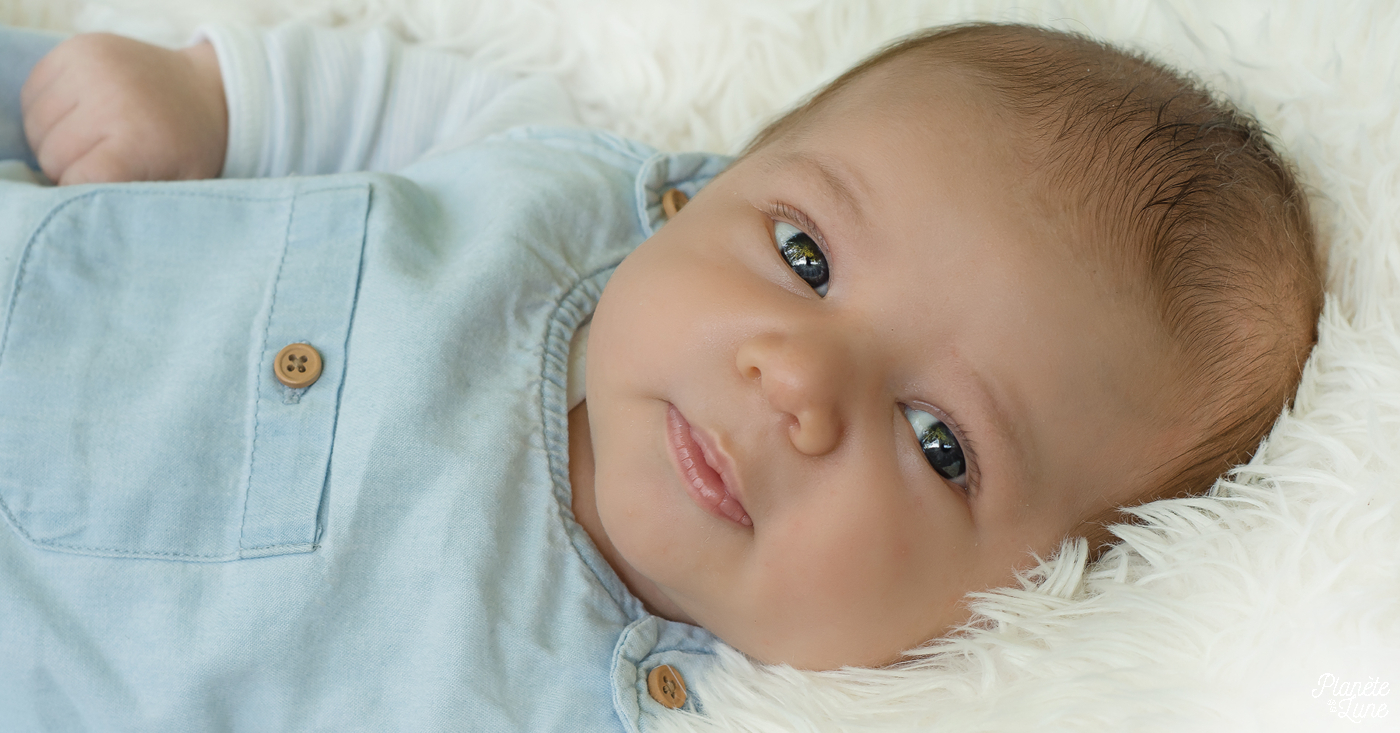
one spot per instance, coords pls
(102, 108)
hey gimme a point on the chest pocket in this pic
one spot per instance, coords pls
(139, 411)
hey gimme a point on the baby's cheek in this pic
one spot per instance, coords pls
(824, 572)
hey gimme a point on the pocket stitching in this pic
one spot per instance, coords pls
(20, 278)
(258, 409)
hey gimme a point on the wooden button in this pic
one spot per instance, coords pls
(672, 201)
(665, 684)
(298, 365)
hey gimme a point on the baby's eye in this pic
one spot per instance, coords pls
(939, 445)
(802, 255)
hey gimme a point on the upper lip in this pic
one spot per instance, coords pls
(719, 460)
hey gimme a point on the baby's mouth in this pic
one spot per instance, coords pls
(696, 463)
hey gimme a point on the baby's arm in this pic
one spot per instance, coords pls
(100, 107)
(292, 100)
(306, 100)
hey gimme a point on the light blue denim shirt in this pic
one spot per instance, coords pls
(190, 545)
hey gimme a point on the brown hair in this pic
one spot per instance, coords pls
(1176, 184)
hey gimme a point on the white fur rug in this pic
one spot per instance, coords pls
(1271, 605)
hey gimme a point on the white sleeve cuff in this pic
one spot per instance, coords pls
(248, 94)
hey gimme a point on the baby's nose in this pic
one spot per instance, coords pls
(802, 378)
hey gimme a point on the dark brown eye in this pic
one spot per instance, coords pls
(940, 446)
(802, 255)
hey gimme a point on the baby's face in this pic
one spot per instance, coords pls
(857, 377)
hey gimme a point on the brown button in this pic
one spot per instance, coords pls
(672, 201)
(666, 686)
(298, 365)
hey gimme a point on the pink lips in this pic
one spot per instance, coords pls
(696, 462)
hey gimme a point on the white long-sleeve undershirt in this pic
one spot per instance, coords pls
(306, 100)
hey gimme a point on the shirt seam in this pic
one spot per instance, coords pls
(258, 380)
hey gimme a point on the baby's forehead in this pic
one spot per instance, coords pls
(902, 92)
(952, 164)
(897, 93)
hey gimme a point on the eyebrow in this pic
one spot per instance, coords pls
(844, 185)
(997, 411)
(1011, 432)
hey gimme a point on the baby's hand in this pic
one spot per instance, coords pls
(102, 108)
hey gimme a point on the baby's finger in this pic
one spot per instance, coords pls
(67, 142)
(48, 70)
(100, 165)
(43, 113)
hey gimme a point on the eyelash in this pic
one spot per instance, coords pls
(965, 439)
(781, 211)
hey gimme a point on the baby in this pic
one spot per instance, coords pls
(975, 295)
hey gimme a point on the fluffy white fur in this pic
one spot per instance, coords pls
(1218, 613)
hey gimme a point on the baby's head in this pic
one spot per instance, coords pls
(983, 289)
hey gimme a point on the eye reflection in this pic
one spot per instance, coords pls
(802, 255)
(940, 446)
